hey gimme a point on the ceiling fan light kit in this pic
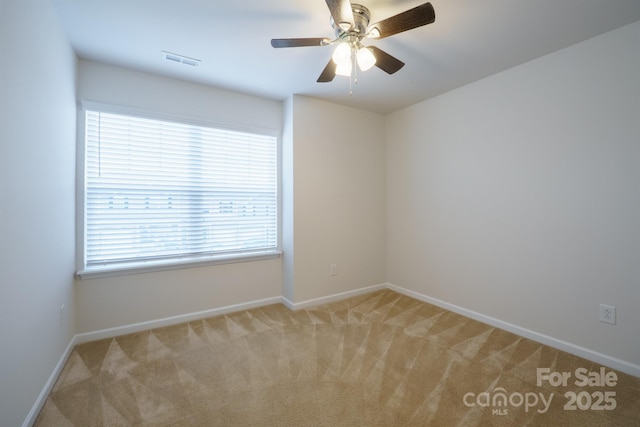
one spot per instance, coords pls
(366, 58)
(344, 69)
(342, 53)
(351, 25)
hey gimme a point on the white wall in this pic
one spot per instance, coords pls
(124, 300)
(37, 188)
(336, 176)
(518, 196)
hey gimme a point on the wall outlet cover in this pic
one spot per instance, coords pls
(608, 314)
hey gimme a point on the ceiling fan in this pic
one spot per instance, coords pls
(350, 22)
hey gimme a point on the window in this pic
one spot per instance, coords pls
(158, 193)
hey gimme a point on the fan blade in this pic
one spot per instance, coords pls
(386, 62)
(341, 13)
(328, 73)
(407, 20)
(298, 42)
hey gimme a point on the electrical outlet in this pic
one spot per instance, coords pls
(333, 270)
(62, 313)
(608, 314)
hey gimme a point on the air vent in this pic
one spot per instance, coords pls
(179, 59)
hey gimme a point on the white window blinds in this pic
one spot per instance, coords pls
(157, 190)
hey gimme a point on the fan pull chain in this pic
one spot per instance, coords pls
(350, 86)
(355, 71)
(353, 79)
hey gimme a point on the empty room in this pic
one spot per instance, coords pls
(320, 213)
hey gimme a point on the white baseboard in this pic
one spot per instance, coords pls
(48, 386)
(585, 353)
(331, 298)
(173, 320)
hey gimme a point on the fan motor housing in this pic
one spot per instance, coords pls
(361, 16)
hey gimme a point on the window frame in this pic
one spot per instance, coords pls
(144, 266)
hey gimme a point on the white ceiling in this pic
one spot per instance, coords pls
(470, 39)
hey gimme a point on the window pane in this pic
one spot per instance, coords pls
(157, 189)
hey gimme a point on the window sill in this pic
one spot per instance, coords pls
(97, 272)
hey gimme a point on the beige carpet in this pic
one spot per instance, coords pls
(381, 359)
